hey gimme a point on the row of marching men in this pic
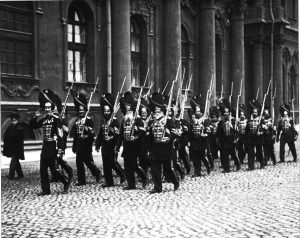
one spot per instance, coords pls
(155, 142)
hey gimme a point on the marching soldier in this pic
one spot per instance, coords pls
(144, 113)
(52, 140)
(242, 123)
(160, 143)
(269, 136)
(226, 136)
(214, 121)
(14, 146)
(255, 138)
(107, 138)
(131, 132)
(84, 137)
(198, 137)
(286, 132)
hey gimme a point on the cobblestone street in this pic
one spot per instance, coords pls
(259, 203)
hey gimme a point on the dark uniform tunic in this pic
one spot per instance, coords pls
(130, 135)
(52, 140)
(14, 147)
(269, 139)
(199, 144)
(183, 141)
(255, 141)
(107, 139)
(161, 150)
(287, 134)
(242, 139)
(144, 162)
(213, 146)
(84, 137)
(226, 134)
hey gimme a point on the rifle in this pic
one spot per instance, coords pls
(149, 90)
(89, 104)
(180, 90)
(165, 87)
(237, 105)
(264, 101)
(116, 104)
(170, 97)
(185, 96)
(222, 91)
(138, 105)
(65, 104)
(231, 91)
(208, 96)
(257, 94)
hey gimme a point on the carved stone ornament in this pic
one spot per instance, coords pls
(140, 7)
(14, 90)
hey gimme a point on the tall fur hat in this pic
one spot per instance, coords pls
(214, 110)
(79, 100)
(224, 103)
(144, 104)
(127, 100)
(283, 108)
(58, 103)
(243, 108)
(195, 101)
(46, 95)
(254, 104)
(14, 114)
(106, 100)
(166, 101)
(156, 100)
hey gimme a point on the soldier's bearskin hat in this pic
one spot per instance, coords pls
(254, 104)
(15, 115)
(80, 100)
(106, 100)
(58, 103)
(283, 108)
(156, 100)
(144, 104)
(214, 110)
(195, 102)
(127, 100)
(243, 108)
(46, 95)
(166, 101)
(224, 103)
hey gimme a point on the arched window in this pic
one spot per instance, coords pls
(77, 47)
(136, 54)
(185, 53)
(16, 42)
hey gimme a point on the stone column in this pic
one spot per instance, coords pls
(237, 56)
(171, 42)
(258, 70)
(278, 78)
(121, 55)
(207, 48)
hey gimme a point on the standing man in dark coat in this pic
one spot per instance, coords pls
(286, 132)
(241, 130)
(198, 136)
(269, 136)
(162, 131)
(14, 146)
(131, 132)
(84, 137)
(214, 121)
(226, 134)
(255, 138)
(52, 141)
(107, 138)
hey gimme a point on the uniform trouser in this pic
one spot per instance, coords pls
(15, 166)
(65, 167)
(269, 151)
(251, 154)
(214, 147)
(291, 145)
(144, 162)
(156, 173)
(225, 152)
(131, 166)
(45, 163)
(85, 158)
(108, 165)
(209, 156)
(184, 158)
(241, 148)
(197, 157)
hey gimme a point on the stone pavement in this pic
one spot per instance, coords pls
(259, 203)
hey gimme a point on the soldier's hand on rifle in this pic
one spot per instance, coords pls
(65, 128)
(60, 153)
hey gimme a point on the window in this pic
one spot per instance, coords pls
(16, 43)
(77, 47)
(135, 47)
